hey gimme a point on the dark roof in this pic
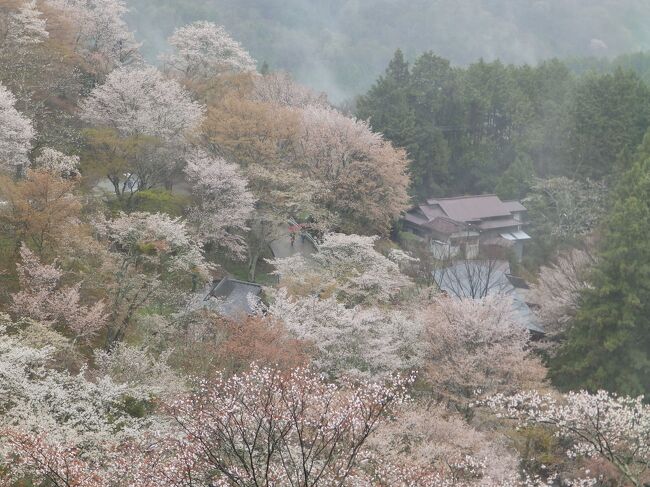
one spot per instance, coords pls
(234, 297)
(518, 282)
(486, 211)
(413, 218)
(514, 206)
(431, 212)
(469, 208)
(445, 226)
(498, 223)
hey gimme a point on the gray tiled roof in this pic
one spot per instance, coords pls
(485, 211)
(470, 208)
(233, 298)
(514, 206)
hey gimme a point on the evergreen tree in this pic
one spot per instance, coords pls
(543, 115)
(433, 94)
(398, 68)
(609, 114)
(608, 345)
(386, 105)
(517, 180)
(464, 127)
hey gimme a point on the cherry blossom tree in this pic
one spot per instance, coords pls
(261, 340)
(223, 203)
(361, 341)
(147, 119)
(38, 67)
(477, 346)
(558, 288)
(141, 368)
(16, 134)
(203, 50)
(566, 209)
(260, 137)
(347, 266)
(102, 38)
(279, 88)
(43, 298)
(141, 101)
(262, 427)
(151, 254)
(156, 241)
(70, 408)
(266, 427)
(597, 425)
(430, 435)
(58, 163)
(26, 26)
(364, 177)
(58, 464)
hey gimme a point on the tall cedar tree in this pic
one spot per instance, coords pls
(463, 127)
(608, 115)
(609, 343)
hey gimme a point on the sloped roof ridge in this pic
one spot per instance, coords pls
(465, 196)
(435, 201)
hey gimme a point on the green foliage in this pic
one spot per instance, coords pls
(155, 200)
(609, 114)
(491, 127)
(408, 238)
(147, 248)
(561, 212)
(517, 180)
(465, 128)
(538, 447)
(159, 200)
(609, 342)
(137, 408)
(8, 258)
(109, 155)
(637, 62)
(386, 103)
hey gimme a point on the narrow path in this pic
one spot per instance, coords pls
(282, 246)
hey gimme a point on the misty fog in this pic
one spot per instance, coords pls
(340, 46)
(352, 243)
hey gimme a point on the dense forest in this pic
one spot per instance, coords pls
(207, 274)
(336, 45)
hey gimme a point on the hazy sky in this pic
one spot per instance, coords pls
(341, 46)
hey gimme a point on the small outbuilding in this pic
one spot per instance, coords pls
(233, 298)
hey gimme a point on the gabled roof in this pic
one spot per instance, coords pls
(431, 212)
(450, 215)
(415, 218)
(470, 208)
